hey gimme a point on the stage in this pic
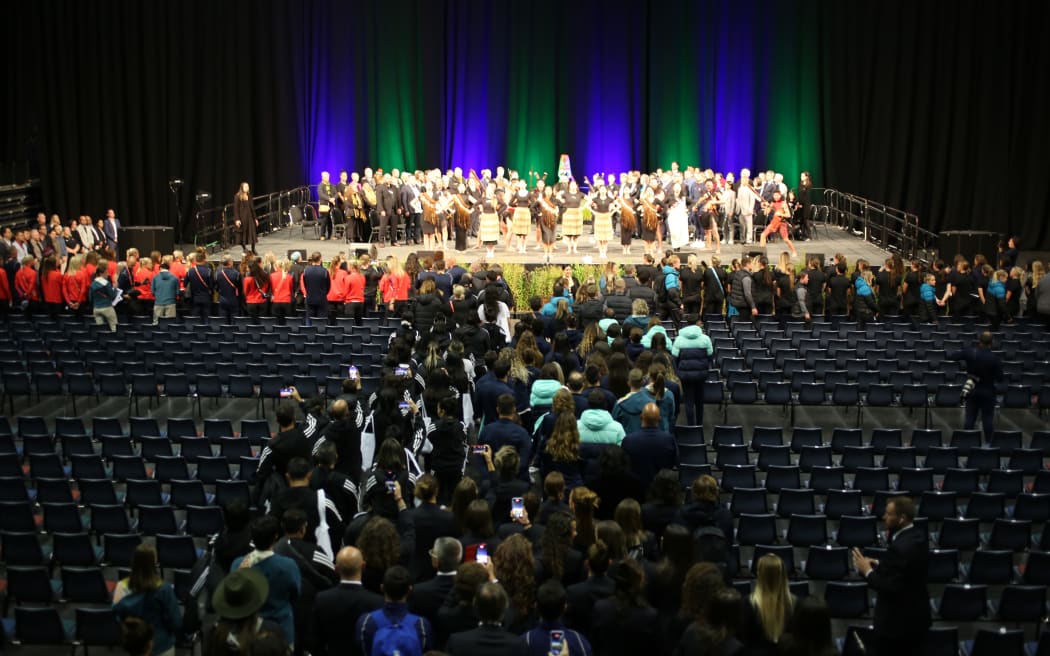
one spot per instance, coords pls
(827, 241)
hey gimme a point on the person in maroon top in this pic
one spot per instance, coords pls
(74, 291)
(27, 285)
(5, 293)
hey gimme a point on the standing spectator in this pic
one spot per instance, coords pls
(281, 574)
(398, 630)
(200, 285)
(551, 601)
(228, 284)
(809, 633)
(244, 219)
(337, 610)
(625, 624)
(144, 594)
(111, 229)
(984, 368)
(315, 283)
(237, 602)
(902, 614)
(165, 288)
(771, 604)
(102, 295)
(489, 638)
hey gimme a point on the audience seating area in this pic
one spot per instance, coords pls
(77, 495)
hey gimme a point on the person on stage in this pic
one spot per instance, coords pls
(602, 207)
(244, 218)
(386, 205)
(521, 202)
(473, 197)
(412, 209)
(651, 219)
(432, 227)
(805, 203)
(746, 198)
(628, 221)
(281, 284)
(536, 194)
(462, 213)
(678, 216)
(573, 202)
(710, 203)
(547, 221)
(779, 223)
(489, 231)
(325, 199)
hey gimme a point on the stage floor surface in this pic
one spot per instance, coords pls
(827, 241)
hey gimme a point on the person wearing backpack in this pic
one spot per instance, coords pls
(392, 630)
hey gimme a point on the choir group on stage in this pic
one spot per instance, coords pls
(675, 207)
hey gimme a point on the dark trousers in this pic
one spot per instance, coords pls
(355, 310)
(316, 311)
(256, 310)
(694, 402)
(885, 646)
(281, 311)
(228, 312)
(387, 224)
(984, 403)
(326, 225)
(202, 310)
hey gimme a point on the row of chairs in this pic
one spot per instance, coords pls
(257, 430)
(944, 641)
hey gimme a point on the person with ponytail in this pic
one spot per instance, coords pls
(771, 605)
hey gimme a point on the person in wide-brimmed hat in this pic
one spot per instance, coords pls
(237, 601)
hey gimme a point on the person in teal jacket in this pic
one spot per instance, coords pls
(543, 390)
(628, 410)
(691, 337)
(145, 595)
(596, 424)
(281, 573)
(647, 338)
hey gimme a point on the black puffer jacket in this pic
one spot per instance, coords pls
(427, 306)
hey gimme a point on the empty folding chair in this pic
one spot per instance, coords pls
(990, 567)
(17, 516)
(748, 500)
(727, 435)
(74, 549)
(109, 519)
(942, 566)
(194, 448)
(29, 585)
(782, 477)
(998, 642)
(97, 627)
(180, 427)
(62, 518)
(1034, 507)
(840, 503)
(870, 480)
(814, 456)
(786, 553)
(857, 531)
(1022, 603)
(796, 502)
(185, 493)
(856, 457)
(924, 438)
(962, 481)
(807, 530)
(47, 465)
(128, 468)
(767, 436)
(257, 431)
(822, 479)
(213, 468)
(963, 602)
(730, 455)
(1009, 482)
(139, 427)
(983, 459)
(1006, 441)
(964, 440)
(154, 520)
(97, 490)
(1029, 461)
(1012, 534)
(84, 585)
(204, 521)
(986, 506)
(958, 533)
(805, 436)
(847, 600)
(940, 459)
(118, 548)
(756, 529)
(898, 458)
(176, 551)
(22, 548)
(226, 491)
(692, 453)
(88, 466)
(827, 563)
(734, 476)
(40, 626)
(938, 505)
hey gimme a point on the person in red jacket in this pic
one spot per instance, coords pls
(257, 291)
(337, 292)
(51, 285)
(27, 286)
(74, 291)
(143, 278)
(282, 283)
(5, 293)
(355, 292)
(394, 286)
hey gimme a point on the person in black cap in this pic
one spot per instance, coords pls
(237, 601)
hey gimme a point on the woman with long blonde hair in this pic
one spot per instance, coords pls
(771, 603)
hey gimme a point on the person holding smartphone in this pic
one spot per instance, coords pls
(550, 636)
(450, 447)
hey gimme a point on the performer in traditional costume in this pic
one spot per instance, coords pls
(548, 221)
(488, 231)
(521, 202)
(602, 207)
(650, 211)
(628, 222)
(779, 223)
(678, 217)
(461, 206)
(572, 201)
(433, 229)
(709, 204)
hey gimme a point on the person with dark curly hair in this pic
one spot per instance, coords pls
(514, 569)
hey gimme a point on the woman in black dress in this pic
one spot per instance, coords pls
(691, 277)
(244, 218)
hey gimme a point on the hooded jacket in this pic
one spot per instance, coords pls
(543, 391)
(691, 337)
(647, 338)
(599, 427)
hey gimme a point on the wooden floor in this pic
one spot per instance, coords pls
(827, 241)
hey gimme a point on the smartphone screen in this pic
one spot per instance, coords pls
(556, 641)
(479, 448)
(351, 373)
(403, 370)
(517, 507)
(403, 406)
(482, 556)
(286, 392)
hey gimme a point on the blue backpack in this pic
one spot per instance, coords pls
(398, 638)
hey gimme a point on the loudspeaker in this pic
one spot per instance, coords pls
(358, 252)
(968, 243)
(752, 254)
(810, 256)
(300, 251)
(425, 254)
(148, 239)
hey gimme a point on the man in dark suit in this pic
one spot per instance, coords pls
(386, 207)
(315, 283)
(488, 390)
(432, 523)
(337, 610)
(902, 614)
(650, 448)
(111, 228)
(490, 638)
(200, 284)
(429, 596)
(582, 596)
(228, 284)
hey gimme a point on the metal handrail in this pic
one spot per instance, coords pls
(889, 228)
(214, 226)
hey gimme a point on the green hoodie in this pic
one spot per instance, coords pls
(691, 337)
(598, 427)
(543, 392)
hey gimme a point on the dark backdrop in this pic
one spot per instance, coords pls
(934, 107)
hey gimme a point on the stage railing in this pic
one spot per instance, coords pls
(887, 227)
(214, 227)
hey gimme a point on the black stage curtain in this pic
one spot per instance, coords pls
(933, 107)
